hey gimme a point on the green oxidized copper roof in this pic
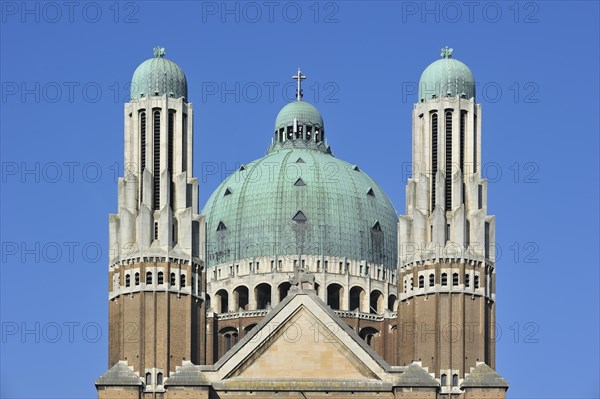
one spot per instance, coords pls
(446, 77)
(305, 113)
(158, 76)
(334, 210)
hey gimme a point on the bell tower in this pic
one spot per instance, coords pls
(156, 286)
(446, 285)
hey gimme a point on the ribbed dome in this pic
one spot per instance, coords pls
(158, 76)
(305, 113)
(446, 77)
(300, 201)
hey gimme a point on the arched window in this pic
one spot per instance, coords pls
(149, 278)
(229, 338)
(421, 281)
(455, 279)
(334, 296)
(392, 302)
(262, 292)
(369, 335)
(476, 281)
(137, 279)
(467, 278)
(148, 379)
(376, 302)
(455, 380)
(173, 280)
(127, 280)
(444, 279)
(248, 328)
(159, 379)
(444, 380)
(283, 289)
(160, 278)
(221, 301)
(182, 279)
(240, 298)
(431, 280)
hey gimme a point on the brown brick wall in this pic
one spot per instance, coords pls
(485, 393)
(154, 329)
(188, 393)
(446, 330)
(118, 393)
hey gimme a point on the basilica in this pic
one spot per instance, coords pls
(299, 279)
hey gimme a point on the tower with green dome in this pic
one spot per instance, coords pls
(446, 238)
(156, 304)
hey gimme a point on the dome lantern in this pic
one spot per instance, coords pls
(299, 123)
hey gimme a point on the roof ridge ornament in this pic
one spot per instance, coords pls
(159, 52)
(447, 52)
(299, 77)
(302, 279)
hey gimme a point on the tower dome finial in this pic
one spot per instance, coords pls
(159, 52)
(447, 52)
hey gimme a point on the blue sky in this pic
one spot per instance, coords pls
(64, 74)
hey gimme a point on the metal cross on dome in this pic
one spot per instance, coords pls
(447, 52)
(299, 77)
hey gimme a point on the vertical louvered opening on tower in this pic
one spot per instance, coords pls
(171, 133)
(184, 145)
(448, 180)
(142, 150)
(156, 160)
(143, 140)
(463, 123)
(474, 143)
(434, 153)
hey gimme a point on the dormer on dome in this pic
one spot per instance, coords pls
(158, 76)
(299, 122)
(446, 77)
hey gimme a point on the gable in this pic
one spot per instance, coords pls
(301, 339)
(304, 348)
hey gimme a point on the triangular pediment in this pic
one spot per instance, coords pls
(304, 348)
(303, 340)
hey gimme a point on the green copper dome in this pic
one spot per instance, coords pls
(300, 201)
(303, 112)
(158, 76)
(446, 77)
